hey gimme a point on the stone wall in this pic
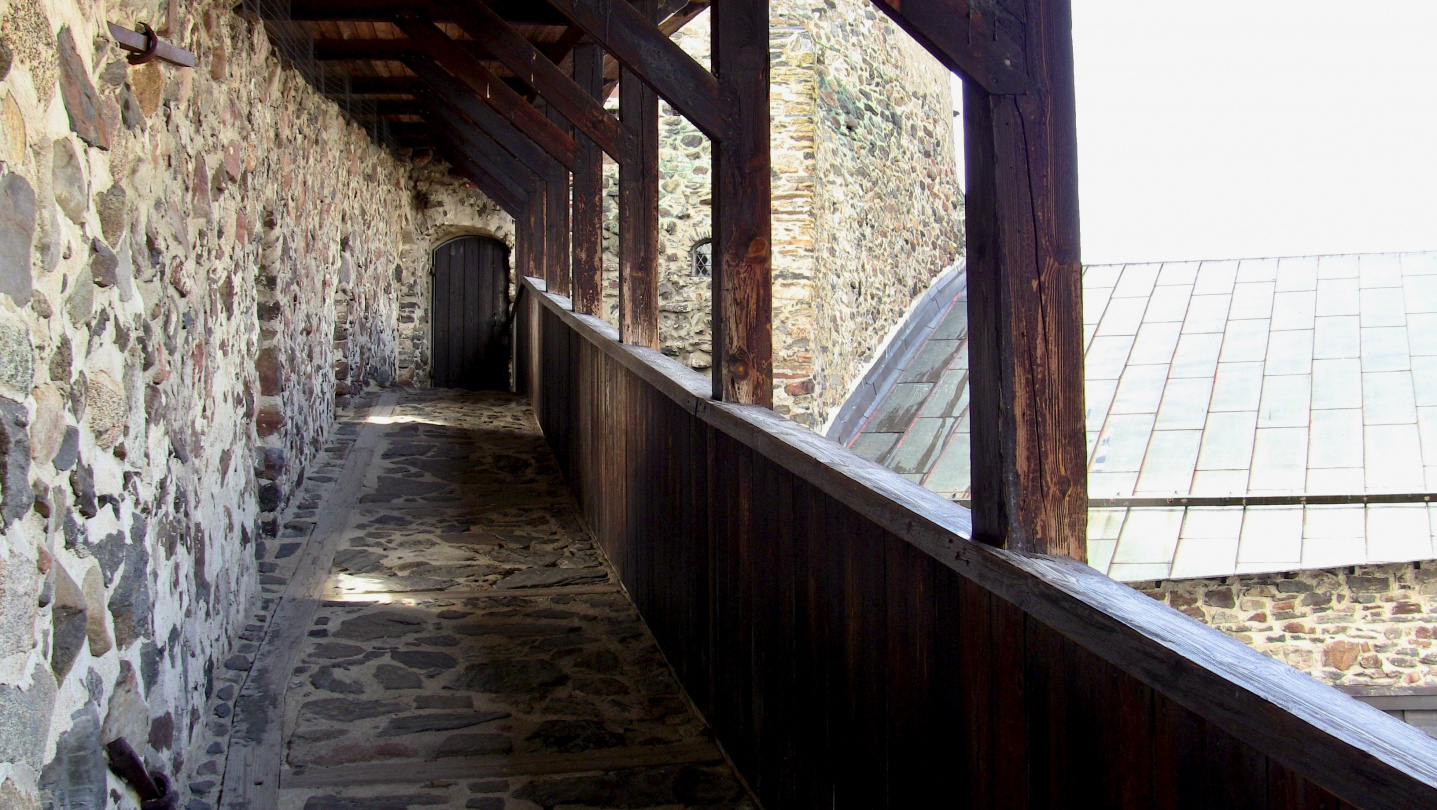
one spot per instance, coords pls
(1369, 626)
(193, 264)
(888, 208)
(866, 206)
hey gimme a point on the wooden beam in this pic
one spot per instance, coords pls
(534, 69)
(488, 87)
(384, 50)
(980, 39)
(560, 49)
(517, 12)
(390, 109)
(533, 232)
(378, 86)
(639, 208)
(558, 208)
(743, 230)
(1025, 301)
(589, 194)
(495, 190)
(682, 14)
(458, 96)
(486, 152)
(640, 46)
(518, 182)
(443, 115)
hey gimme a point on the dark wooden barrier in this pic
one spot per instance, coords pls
(852, 648)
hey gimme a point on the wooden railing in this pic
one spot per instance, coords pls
(852, 648)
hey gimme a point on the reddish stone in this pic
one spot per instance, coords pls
(268, 420)
(1294, 627)
(1341, 654)
(271, 372)
(162, 732)
(218, 63)
(233, 167)
(200, 188)
(1406, 608)
(800, 388)
(82, 103)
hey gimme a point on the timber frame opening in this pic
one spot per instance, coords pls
(512, 94)
(810, 601)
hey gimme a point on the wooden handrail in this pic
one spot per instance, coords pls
(1359, 754)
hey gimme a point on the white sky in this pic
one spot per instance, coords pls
(1222, 129)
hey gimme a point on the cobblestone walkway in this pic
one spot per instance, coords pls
(470, 646)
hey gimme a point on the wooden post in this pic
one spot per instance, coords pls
(558, 208)
(1025, 301)
(742, 287)
(588, 211)
(539, 233)
(639, 208)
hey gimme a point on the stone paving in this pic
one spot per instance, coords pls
(472, 648)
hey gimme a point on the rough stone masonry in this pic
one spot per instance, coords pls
(194, 265)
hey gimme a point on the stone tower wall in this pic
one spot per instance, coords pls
(193, 265)
(866, 204)
(1369, 627)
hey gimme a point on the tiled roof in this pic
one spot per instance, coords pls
(1308, 376)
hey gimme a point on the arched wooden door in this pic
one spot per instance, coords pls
(470, 309)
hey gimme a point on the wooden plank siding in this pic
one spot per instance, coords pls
(852, 648)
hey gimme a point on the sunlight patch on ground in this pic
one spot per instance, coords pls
(405, 420)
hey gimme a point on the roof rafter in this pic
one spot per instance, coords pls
(642, 47)
(506, 45)
(515, 203)
(488, 87)
(449, 91)
(518, 12)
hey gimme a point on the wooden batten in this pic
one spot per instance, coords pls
(743, 230)
(639, 208)
(1025, 302)
(588, 210)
